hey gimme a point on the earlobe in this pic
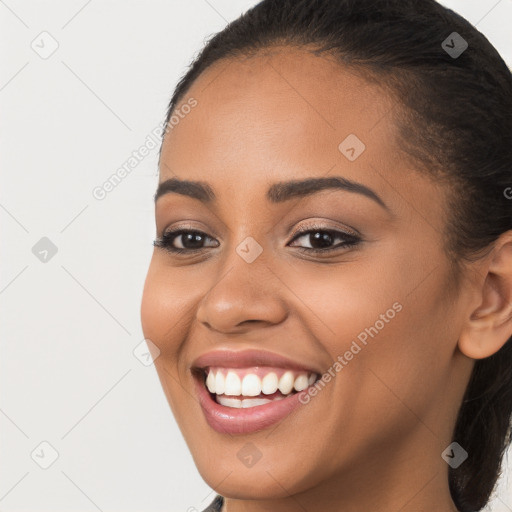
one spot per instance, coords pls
(489, 326)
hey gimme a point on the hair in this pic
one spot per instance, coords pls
(454, 119)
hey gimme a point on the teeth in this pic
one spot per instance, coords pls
(229, 402)
(253, 402)
(251, 385)
(219, 383)
(233, 382)
(236, 403)
(210, 382)
(301, 382)
(269, 384)
(286, 383)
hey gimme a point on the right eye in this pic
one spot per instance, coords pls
(188, 241)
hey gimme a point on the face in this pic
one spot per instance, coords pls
(343, 281)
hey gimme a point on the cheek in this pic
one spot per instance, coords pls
(388, 322)
(407, 354)
(152, 311)
(162, 309)
(342, 303)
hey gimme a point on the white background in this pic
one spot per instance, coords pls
(67, 372)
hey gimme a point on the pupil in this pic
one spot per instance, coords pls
(194, 238)
(320, 239)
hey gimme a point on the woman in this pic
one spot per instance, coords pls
(331, 285)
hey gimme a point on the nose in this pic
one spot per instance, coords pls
(243, 296)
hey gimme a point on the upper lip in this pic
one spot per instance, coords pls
(247, 358)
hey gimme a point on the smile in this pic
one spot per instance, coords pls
(247, 391)
(245, 388)
(252, 409)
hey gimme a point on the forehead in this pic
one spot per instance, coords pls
(282, 116)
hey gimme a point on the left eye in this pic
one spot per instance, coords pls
(320, 240)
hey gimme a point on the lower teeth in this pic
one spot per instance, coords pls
(245, 403)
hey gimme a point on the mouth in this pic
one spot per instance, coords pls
(238, 400)
(242, 388)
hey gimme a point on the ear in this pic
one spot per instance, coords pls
(489, 326)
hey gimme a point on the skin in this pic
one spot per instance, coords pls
(372, 438)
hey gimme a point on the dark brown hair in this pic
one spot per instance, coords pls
(454, 120)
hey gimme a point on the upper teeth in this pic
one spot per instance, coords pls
(226, 381)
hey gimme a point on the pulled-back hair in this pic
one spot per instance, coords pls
(454, 120)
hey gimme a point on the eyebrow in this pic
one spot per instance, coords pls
(277, 193)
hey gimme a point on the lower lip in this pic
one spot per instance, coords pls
(230, 420)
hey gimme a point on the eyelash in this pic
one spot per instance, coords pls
(351, 240)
